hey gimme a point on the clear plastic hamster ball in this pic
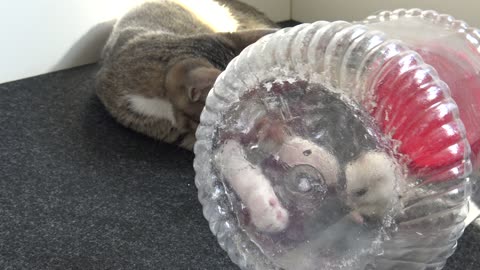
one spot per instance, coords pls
(342, 146)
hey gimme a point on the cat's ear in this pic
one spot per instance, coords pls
(199, 81)
(241, 39)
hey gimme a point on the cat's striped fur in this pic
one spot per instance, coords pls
(163, 57)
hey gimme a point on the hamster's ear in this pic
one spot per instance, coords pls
(199, 81)
(241, 39)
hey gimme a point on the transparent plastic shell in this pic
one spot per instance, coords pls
(297, 165)
(453, 49)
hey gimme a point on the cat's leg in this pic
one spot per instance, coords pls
(253, 188)
(158, 119)
(184, 138)
(187, 142)
(186, 129)
(158, 128)
(161, 129)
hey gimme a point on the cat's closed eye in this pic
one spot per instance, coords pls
(360, 192)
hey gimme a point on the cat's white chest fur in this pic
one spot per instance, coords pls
(155, 107)
(217, 17)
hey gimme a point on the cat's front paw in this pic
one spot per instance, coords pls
(188, 142)
(267, 213)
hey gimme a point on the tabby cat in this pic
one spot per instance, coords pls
(163, 57)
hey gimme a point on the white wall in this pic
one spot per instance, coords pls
(351, 10)
(41, 36)
(277, 10)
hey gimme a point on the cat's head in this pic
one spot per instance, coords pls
(189, 79)
(188, 83)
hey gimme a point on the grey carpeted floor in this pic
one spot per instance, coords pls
(78, 191)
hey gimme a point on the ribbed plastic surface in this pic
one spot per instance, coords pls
(353, 197)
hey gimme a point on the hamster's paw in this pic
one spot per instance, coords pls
(267, 213)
